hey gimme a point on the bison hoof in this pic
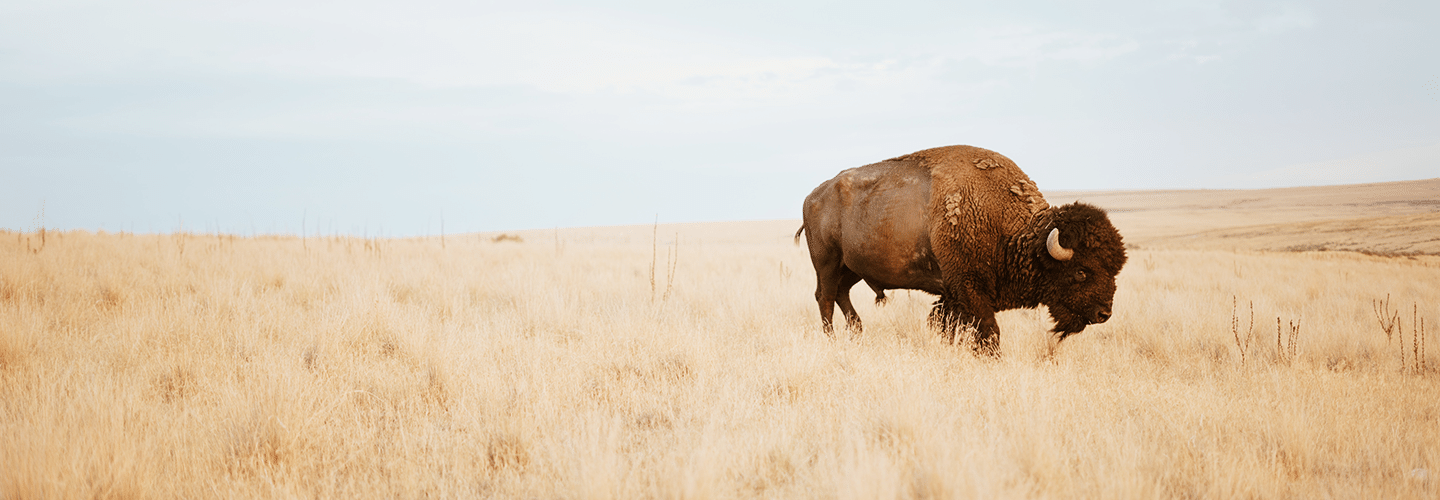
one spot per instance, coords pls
(987, 347)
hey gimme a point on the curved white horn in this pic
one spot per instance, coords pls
(1052, 243)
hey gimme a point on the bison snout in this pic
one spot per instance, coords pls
(1102, 315)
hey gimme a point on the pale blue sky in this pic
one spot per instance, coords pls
(363, 117)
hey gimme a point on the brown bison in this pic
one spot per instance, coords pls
(966, 224)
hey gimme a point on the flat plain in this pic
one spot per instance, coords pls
(1265, 344)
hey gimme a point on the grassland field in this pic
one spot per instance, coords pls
(1248, 358)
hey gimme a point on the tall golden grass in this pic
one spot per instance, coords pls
(191, 366)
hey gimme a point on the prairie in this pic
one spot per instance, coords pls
(686, 361)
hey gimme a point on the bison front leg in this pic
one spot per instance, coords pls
(952, 318)
(987, 336)
(943, 320)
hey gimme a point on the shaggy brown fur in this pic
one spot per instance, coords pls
(966, 224)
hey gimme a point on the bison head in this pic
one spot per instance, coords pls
(1080, 253)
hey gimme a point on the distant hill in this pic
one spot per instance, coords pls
(1385, 218)
(1392, 218)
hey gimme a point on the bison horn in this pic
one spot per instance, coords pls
(1052, 243)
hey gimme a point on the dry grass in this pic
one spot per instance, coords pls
(202, 366)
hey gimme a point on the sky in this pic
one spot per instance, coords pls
(413, 118)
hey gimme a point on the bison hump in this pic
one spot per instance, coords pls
(978, 190)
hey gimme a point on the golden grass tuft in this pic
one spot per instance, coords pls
(204, 366)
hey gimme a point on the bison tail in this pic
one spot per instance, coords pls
(880, 298)
(797, 234)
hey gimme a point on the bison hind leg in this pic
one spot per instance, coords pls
(848, 278)
(880, 297)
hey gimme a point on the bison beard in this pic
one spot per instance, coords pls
(966, 224)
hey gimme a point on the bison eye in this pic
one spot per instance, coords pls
(1080, 275)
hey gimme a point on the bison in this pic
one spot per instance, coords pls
(963, 223)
